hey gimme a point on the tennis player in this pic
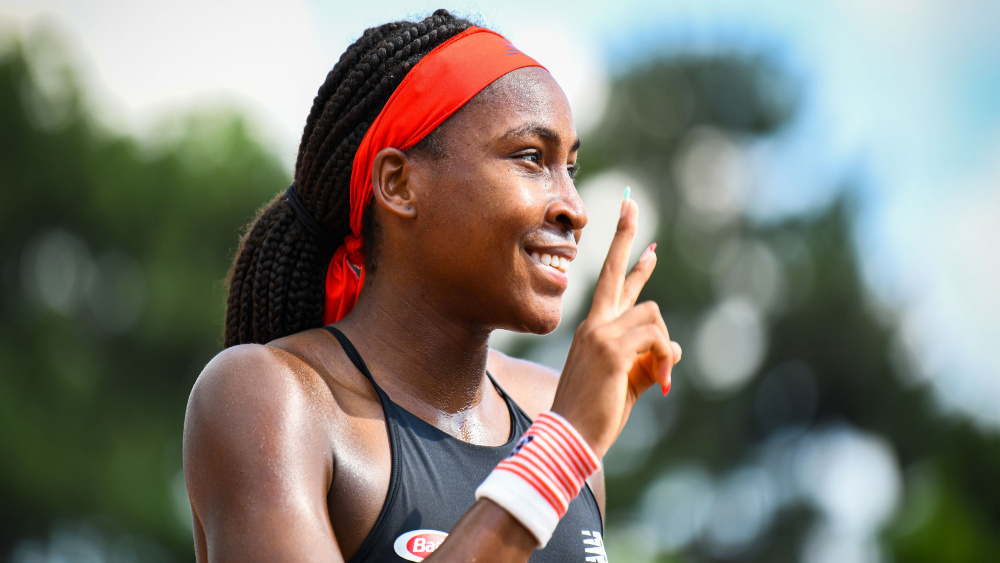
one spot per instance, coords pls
(357, 412)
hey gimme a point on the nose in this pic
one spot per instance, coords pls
(566, 208)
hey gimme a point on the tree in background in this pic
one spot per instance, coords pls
(790, 434)
(113, 258)
(787, 436)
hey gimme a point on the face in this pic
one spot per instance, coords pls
(499, 204)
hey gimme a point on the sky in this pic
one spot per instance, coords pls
(900, 99)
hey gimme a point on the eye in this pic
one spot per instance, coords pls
(533, 156)
(573, 170)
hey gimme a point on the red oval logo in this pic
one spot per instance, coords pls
(415, 545)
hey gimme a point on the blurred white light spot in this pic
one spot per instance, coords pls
(634, 542)
(602, 195)
(550, 350)
(778, 459)
(826, 545)
(921, 501)
(729, 346)
(51, 102)
(743, 508)
(116, 292)
(713, 175)
(55, 268)
(677, 507)
(648, 423)
(86, 542)
(852, 477)
(749, 268)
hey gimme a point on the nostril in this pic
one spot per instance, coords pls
(564, 219)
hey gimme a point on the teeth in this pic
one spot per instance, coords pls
(558, 262)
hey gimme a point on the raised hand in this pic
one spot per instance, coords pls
(620, 350)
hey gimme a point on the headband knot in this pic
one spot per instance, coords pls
(439, 84)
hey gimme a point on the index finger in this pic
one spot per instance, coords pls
(609, 285)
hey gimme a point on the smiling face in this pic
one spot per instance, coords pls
(497, 215)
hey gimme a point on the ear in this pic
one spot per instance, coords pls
(391, 175)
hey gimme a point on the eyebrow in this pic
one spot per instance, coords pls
(538, 130)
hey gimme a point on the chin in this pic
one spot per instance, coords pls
(542, 322)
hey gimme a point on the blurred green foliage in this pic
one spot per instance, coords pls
(113, 253)
(112, 258)
(829, 355)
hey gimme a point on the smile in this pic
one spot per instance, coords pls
(558, 262)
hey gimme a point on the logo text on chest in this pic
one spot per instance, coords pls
(415, 545)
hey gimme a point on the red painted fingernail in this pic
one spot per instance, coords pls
(666, 389)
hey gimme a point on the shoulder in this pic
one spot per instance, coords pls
(532, 386)
(255, 399)
(258, 456)
(251, 380)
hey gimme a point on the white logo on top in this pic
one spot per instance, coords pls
(418, 544)
(594, 547)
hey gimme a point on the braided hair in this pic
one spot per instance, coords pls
(276, 283)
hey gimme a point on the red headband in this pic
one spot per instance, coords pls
(440, 83)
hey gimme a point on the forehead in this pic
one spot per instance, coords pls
(524, 96)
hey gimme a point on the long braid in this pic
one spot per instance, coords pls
(277, 278)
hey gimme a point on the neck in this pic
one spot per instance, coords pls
(427, 361)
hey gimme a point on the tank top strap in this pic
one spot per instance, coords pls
(519, 420)
(433, 480)
(357, 360)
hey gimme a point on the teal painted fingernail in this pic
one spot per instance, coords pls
(628, 190)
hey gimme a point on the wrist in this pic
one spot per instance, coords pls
(546, 470)
(593, 440)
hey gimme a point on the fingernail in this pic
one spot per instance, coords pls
(666, 388)
(646, 254)
(625, 201)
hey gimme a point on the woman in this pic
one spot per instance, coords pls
(433, 203)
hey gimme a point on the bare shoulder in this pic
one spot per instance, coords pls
(246, 382)
(257, 455)
(254, 402)
(531, 385)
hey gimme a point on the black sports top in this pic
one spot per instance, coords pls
(433, 482)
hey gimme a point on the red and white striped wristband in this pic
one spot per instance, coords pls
(546, 470)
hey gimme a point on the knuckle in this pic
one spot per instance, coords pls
(604, 345)
(651, 307)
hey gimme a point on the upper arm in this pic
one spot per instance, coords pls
(257, 463)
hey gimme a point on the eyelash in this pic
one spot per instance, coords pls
(532, 155)
(536, 157)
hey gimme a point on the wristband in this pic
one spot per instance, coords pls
(546, 470)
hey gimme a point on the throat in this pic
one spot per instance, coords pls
(433, 369)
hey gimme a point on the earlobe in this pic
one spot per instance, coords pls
(391, 175)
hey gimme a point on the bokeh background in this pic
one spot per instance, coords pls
(823, 180)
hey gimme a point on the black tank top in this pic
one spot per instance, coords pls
(433, 482)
